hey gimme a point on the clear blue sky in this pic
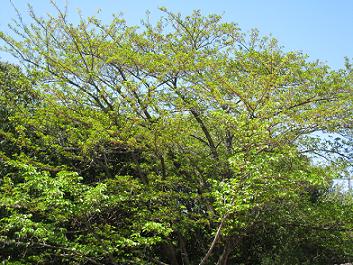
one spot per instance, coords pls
(323, 29)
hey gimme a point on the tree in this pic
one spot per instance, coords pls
(210, 125)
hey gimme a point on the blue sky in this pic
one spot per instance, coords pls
(323, 29)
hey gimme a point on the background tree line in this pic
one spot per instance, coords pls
(185, 141)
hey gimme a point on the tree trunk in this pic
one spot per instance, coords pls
(184, 254)
(223, 259)
(169, 252)
(214, 241)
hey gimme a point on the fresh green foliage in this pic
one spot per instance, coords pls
(180, 142)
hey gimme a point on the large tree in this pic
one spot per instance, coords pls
(180, 142)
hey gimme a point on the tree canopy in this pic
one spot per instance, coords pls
(185, 141)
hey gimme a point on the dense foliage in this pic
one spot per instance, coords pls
(181, 142)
